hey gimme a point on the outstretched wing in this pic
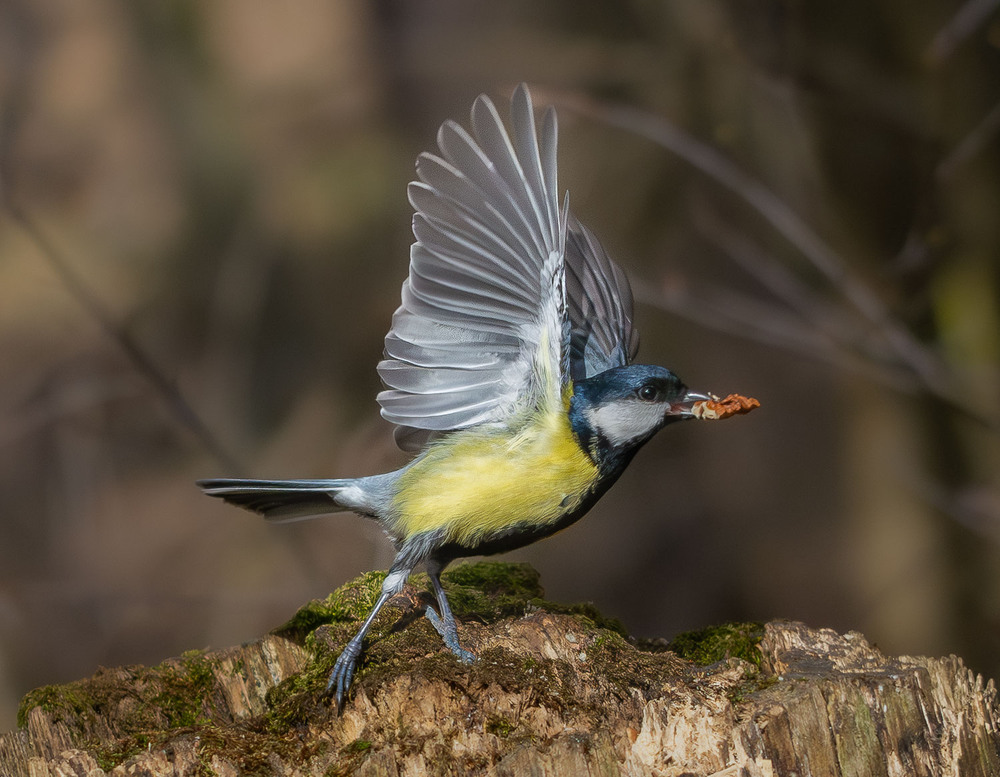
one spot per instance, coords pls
(600, 306)
(483, 332)
(508, 296)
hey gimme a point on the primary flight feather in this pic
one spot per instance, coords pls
(507, 365)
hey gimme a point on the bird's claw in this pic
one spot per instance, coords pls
(343, 673)
(449, 634)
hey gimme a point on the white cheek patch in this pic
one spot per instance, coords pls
(626, 420)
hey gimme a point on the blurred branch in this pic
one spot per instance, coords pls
(836, 338)
(908, 350)
(137, 356)
(735, 314)
(739, 315)
(822, 332)
(774, 276)
(51, 407)
(970, 17)
(970, 145)
(975, 507)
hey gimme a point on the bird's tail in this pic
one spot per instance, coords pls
(282, 500)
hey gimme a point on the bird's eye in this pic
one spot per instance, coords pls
(647, 393)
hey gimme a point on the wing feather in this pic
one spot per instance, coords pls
(481, 331)
(601, 307)
(508, 296)
(529, 154)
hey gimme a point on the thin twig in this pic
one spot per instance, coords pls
(775, 277)
(910, 351)
(967, 20)
(137, 356)
(736, 316)
(970, 145)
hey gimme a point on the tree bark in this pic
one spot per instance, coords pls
(556, 691)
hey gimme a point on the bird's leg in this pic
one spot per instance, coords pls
(347, 662)
(444, 623)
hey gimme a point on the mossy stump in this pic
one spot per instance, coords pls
(557, 690)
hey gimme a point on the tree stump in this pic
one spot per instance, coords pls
(557, 690)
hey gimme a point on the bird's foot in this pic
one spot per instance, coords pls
(343, 672)
(449, 633)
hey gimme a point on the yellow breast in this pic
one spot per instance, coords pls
(478, 482)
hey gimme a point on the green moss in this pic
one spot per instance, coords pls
(110, 756)
(549, 682)
(302, 697)
(351, 602)
(138, 704)
(483, 591)
(721, 643)
(145, 707)
(249, 747)
(324, 627)
(490, 591)
(185, 690)
(402, 641)
(499, 726)
(627, 668)
(58, 701)
(349, 758)
(588, 613)
(717, 643)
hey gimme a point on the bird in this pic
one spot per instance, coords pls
(508, 369)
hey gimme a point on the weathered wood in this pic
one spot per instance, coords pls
(556, 691)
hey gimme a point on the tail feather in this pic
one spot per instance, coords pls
(279, 500)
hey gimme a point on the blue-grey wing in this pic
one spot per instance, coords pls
(483, 331)
(600, 306)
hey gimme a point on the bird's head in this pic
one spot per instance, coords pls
(615, 412)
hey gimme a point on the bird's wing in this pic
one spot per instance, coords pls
(483, 332)
(600, 306)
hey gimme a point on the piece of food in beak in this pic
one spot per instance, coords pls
(714, 409)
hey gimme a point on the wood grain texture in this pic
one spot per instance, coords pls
(552, 694)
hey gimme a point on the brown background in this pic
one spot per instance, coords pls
(228, 181)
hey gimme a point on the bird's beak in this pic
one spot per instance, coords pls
(684, 407)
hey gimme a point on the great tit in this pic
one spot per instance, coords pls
(508, 367)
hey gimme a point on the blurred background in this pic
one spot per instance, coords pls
(204, 229)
